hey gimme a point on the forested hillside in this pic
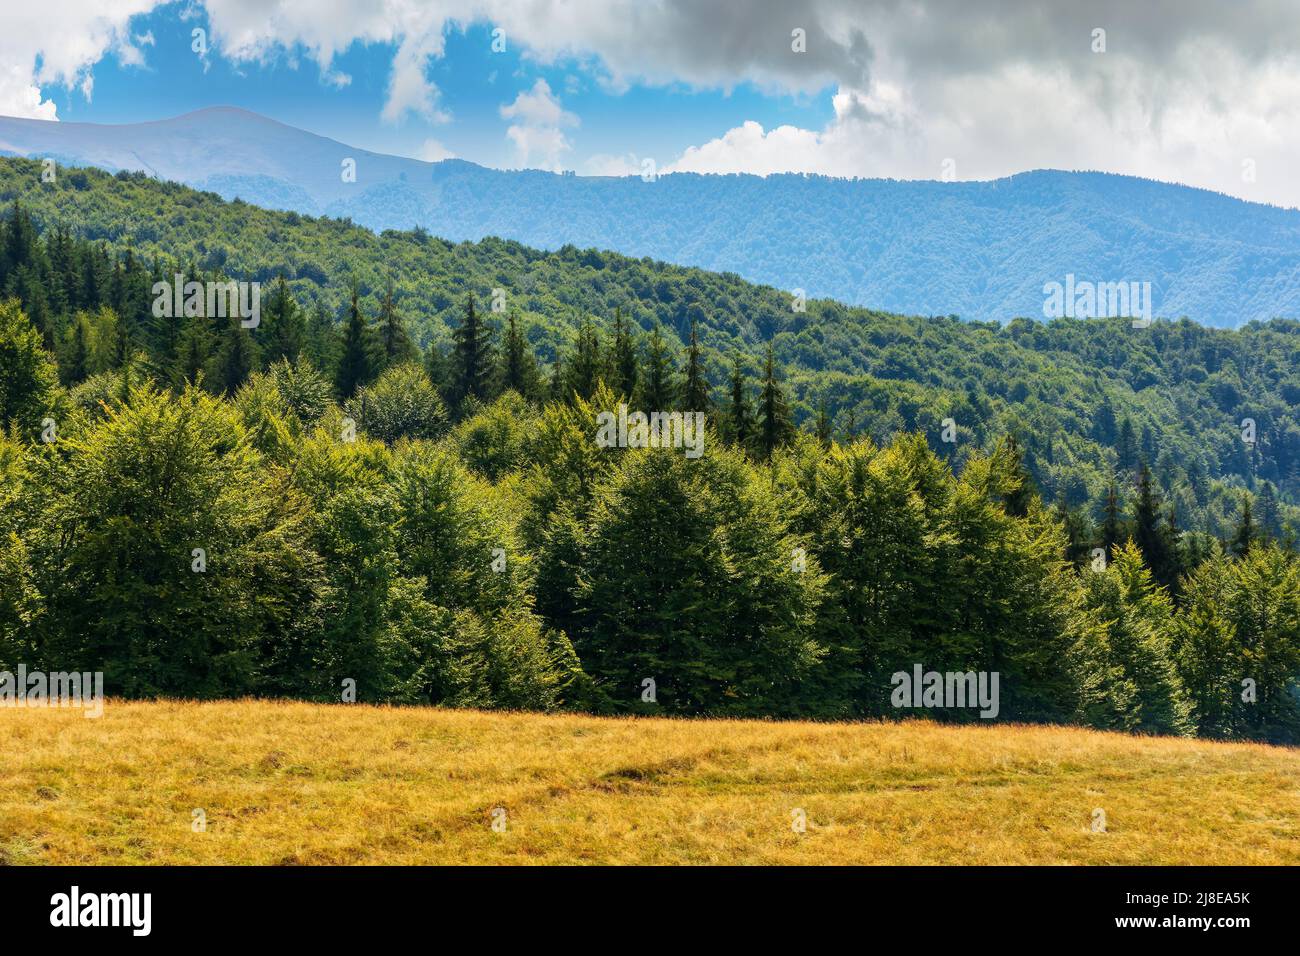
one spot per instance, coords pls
(202, 509)
(980, 250)
(1088, 401)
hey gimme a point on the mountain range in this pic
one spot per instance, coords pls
(978, 250)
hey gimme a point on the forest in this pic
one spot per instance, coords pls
(393, 480)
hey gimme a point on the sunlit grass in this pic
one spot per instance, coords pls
(303, 783)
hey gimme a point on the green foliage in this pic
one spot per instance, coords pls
(402, 404)
(511, 561)
(28, 377)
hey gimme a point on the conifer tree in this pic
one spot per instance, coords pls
(518, 363)
(624, 359)
(774, 424)
(1247, 532)
(585, 365)
(1112, 528)
(77, 354)
(282, 329)
(471, 357)
(822, 426)
(237, 358)
(1269, 514)
(394, 341)
(1148, 533)
(354, 365)
(696, 395)
(321, 344)
(658, 389)
(1020, 490)
(194, 351)
(740, 414)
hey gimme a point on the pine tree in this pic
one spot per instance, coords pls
(354, 364)
(1127, 449)
(740, 414)
(471, 357)
(1148, 533)
(822, 427)
(1020, 484)
(394, 340)
(658, 390)
(696, 396)
(121, 343)
(237, 358)
(1266, 507)
(321, 344)
(1247, 532)
(518, 364)
(1112, 528)
(282, 329)
(74, 369)
(624, 358)
(774, 424)
(585, 365)
(194, 351)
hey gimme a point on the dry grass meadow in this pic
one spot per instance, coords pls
(285, 783)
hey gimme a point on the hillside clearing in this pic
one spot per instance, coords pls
(284, 783)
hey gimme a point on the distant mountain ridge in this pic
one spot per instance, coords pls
(980, 250)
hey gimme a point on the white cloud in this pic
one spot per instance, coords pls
(1195, 122)
(57, 43)
(537, 130)
(603, 164)
(1183, 92)
(432, 151)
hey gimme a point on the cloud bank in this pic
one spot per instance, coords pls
(1196, 91)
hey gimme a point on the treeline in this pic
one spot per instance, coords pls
(1088, 400)
(190, 539)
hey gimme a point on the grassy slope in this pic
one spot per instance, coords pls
(303, 783)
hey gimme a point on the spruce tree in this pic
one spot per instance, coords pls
(321, 344)
(354, 364)
(394, 341)
(585, 365)
(75, 368)
(624, 359)
(194, 352)
(658, 390)
(822, 426)
(740, 414)
(1268, 511)
(1247, 532)
(696, 395)
(774, 424)
(282, 329)
(518, 364)
(471, 357)
(1020, 488)
(1127, 449)
(1112, 528)
(1148, 532)
(237, 358)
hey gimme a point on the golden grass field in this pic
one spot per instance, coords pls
(284, 783)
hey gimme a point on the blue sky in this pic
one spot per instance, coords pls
(474, 82)
(1172, 90)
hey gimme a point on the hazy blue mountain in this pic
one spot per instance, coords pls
(981, 250)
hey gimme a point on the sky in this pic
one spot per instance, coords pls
(1201, 92)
